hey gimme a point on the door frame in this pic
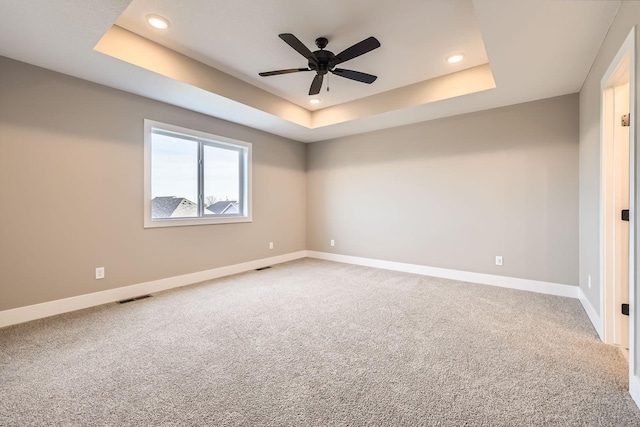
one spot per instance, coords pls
(623, 61)
(616, 77)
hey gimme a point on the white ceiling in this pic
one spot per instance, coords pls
(240, 37)
(536, 49)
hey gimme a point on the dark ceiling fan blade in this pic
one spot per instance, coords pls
(355, 75)
(316, 85)
(366, 45)
(278, 72)
(293, 41)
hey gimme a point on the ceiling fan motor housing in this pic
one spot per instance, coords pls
(323, 56)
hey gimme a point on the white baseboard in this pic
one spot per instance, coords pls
(594, 317)
(634, 389)
(466, 276)
(46, 309)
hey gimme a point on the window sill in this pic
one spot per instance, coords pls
(182, 222)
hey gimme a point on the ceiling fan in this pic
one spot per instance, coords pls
(323, 61)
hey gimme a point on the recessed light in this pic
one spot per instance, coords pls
(157, 21)
(315, 100)
(456, 57)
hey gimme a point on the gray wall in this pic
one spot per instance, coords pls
(449, 193)
(455, 192)
(71, 186)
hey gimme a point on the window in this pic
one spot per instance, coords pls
(194, 178)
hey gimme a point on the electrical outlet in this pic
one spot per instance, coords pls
(589, 281)
(333, 242)
(498, 260)
(100, 273)
(270, 245)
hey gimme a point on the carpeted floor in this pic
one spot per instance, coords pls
(316, 343)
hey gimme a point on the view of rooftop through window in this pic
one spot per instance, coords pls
(175, 176)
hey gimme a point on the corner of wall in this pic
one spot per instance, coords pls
(592, 314)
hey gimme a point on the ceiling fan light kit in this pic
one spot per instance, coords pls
(323, 61)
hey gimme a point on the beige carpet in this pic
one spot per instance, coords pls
(316, 343)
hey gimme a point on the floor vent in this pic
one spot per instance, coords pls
(262, 268)
(124, 301)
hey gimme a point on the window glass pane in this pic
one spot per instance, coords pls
(221, 181)
(174, 177)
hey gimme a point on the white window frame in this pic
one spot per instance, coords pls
(245, 179)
